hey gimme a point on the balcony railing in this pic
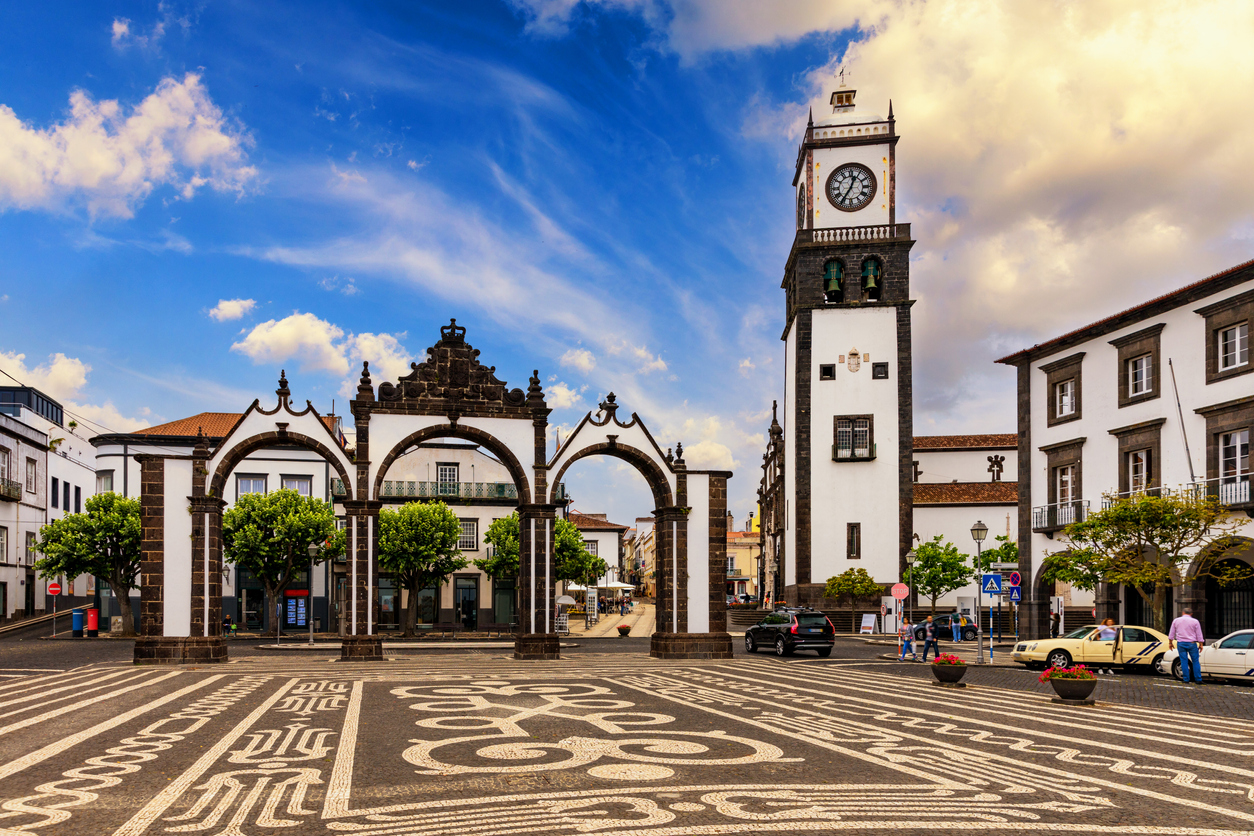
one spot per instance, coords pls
(846, 234)
(452, 490)
(10, 489)
(1229, 490)
(1109, 500)
(1059, 515)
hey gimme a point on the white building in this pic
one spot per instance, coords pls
(1157, 397)
(847, 421)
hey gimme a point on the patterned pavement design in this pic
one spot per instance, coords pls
(598, 743)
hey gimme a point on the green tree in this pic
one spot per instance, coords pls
(502, 536)
(104, 541)
(853, 584)
(938, 568)
(1147, 542)
(418, 542)
(269, 534)
(1006, 551)
(573, 562)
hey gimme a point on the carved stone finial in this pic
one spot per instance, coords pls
(670, 457)
(607, 409)
(283, 392)
(535, 392)
(201, 450)
(365, 391)
(679, 452)
(452, 333)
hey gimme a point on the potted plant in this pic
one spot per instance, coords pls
(948, 668)
(623, 630)
(1071, 684)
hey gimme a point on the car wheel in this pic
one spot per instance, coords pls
(781, 649)
(825, 652)
(1157, 664)
(1176, 670)
(919, 635)
(1058, 659)
(750, 645)
(968, 635)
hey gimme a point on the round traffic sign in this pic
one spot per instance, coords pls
(900, 591)
(54, 588)
(883, 609)
(1015, 579)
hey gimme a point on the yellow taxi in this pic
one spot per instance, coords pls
(1093, 646)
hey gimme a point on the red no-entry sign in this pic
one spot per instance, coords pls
(900, 591)
(54, 588)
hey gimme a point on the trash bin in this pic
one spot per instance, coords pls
(76, 622)
(93, 622)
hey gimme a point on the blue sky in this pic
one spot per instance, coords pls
(196, 195)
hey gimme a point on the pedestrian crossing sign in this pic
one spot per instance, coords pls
(992, 584)
(1016, 594)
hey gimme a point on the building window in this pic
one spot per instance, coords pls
(104, 481)
(879, 371)
(30, 548)
(4, 463)
(469, 540)
(854, 438)
(65, 491)
(78, 500)
(1234, 346)
(833, 281)
(827, 371)
(1065, 487)
(32, 475)
(590, 546)
(56, 492)
(1064, 398)
(446, 475)
(872, 279)
(1140, 375)
(303, 485)
(4, 548)
(1140, 475)
(249, 484)
(853, 541)
(1234, 457)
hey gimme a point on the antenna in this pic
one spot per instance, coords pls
(841, 75)
(1180, 412)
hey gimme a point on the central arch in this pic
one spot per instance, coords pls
(653, 475)
(485, 439)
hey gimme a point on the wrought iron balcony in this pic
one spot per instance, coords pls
(1049, 518)
(450, 490)
(1109, 500)
(847, 234)
(1229, 490)
(10, 489)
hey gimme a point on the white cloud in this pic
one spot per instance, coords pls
(228, 309)
(579, 358)
(111, 161)
(746, 366)
(389, 360)
(414, 165)
(64, 378)
(561, 396)
(314, 343)
(121, 32)
(126, 35)
(347, 286)
(649, 362)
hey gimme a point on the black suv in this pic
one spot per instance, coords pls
(790, 630)
(944, 631)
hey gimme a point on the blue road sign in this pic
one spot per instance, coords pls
(1016, 594)
(991, 584)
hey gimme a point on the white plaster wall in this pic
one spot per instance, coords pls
(954, 524)
(964, 465)
(861, 492)
(177, 603)
(827, 160)
(474, 465)
(699, 554)
(790, 456)
(255, 423)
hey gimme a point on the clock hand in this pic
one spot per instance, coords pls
(848, 186)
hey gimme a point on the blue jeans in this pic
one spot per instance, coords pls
(957, 628)
(1189, 661)
(907, 646)
(932, 643)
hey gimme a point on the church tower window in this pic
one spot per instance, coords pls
(872, 279)
(833, 280)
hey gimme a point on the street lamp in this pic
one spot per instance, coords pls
(911, 557)
(978, 532)
(313, 552)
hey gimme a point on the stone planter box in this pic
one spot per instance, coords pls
(949, 674)
(1074, 690)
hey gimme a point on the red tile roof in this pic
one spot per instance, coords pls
(1183, 296)
(215, 425)
(966, 493)
(742, 535)
(965, 442)
(586, 522)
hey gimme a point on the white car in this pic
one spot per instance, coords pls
(1232, 657)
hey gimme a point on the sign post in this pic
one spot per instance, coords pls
(1016, 595)
(54, 589)
(989, 583)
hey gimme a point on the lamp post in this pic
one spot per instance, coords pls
(313, 552)
(978, 532)
(911, 557)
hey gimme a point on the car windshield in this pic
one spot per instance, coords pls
(1079, 634)
(812, 619)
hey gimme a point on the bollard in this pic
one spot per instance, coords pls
(93, 622)
(76, 622)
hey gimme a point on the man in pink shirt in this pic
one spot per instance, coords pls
(1187, 632)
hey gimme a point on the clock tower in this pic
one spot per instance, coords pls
(848, 428)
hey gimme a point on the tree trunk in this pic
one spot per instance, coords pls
(411, 610)
(1159, 605)
(123, 596)
(272, 601)
(934, 597)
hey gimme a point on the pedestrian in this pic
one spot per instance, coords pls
(1055, 624)
(905, 637)
(955, 623)
(1187, 632)
(930, 637)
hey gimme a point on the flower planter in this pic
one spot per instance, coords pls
(623, 630)
(1078, 690)
(949, 674)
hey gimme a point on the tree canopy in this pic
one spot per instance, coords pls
(418, 541)
(938, 568)
(573, 562)
(852, 584)
(104, 541)
(502, 536)
(269, 535)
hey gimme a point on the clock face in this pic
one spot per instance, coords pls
(851, 187)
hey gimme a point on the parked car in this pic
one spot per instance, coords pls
(1132, 647)
(790, 630)
(746, 598)
(944, 631)
(1232, 657)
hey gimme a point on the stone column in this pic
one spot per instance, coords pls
(362, 642)
(1106, 601)
(152, 561)
(537, 630)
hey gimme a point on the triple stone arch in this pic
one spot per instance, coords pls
(449, 395)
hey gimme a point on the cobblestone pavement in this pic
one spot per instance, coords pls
(606, 743)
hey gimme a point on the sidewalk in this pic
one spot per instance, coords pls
(641, 619)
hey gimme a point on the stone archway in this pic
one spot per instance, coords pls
(1221, 608)
(466, 433)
